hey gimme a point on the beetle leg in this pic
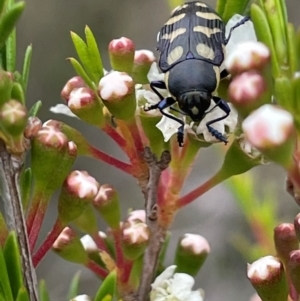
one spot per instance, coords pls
(159, 85)
(222, 104)
(163, 104)
(224, 73)
(244, 20)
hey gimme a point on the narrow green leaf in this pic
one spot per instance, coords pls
(23, 295)
(35, 109)
(3, 230)
(43, 292)
(25, 187)
(26, 67)
(264, 35)
(84, 55)
(17, 92)
(108, 286)
(284, 92)
(296, 107)
(292, 48)
(80, 71)
(12, 258)
(234, 7)
(5, 288)
(11, 52)
(95, 57)
(9, 21)
(2, 6)
(220, 8)
(73, 289)
(277, 27)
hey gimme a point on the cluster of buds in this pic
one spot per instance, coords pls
(277, 278)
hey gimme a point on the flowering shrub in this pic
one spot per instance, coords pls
(128, 258)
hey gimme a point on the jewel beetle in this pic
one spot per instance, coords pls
(192, 46)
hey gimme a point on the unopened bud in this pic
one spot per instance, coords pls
(107, 204)
(49, 147)
(135, 239)
(84, 103)
(285, 240)
(34, 124)
(247, 56)
(268, 278)
(6, 84)
(121, 54)
(297, 226)
(69, 247)
(246, 91)
(13, 117)
(82, 298)
(294, 269)
(73, 83)
(137, 215)
(79, 189)
(117, 91)
(270, 129)
(191, 252)
(143, 60)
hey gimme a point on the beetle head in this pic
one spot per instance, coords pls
(195, 103)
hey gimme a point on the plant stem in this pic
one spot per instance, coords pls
(98, 270)
(9, 173)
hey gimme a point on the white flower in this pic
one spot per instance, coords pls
(82, 298)
(229, 122)
(168, 127)
(174, 287)
(243, 33)
(62, 109)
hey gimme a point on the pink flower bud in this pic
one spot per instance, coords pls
(246, 89)
(73, 83)
(82, 185)
(13, 117)
(81, 97)
(196, 244)
(268, 278)
(34, 124)
(268, 127)
(143, 60)
(294, 269)
(285, 240)
(247, 56)
(51, 137)
(121, 54)
(117, 90)
(69, 247)
(137, 215)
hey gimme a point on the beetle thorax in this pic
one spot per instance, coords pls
(195, 104)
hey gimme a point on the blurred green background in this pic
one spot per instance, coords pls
(216, 216)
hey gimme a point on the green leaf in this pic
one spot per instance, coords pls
(12, 258)
(108, 286)
(35, 108)
(264, 35)
(43, 292)
(284, 92)
(25, 187)
(95, 57)
(3, 230)
(2, 5)
(26, 67)
(73, 289)
(9, 21)
(233, 7)
(23, 295)
(5, 289)
(292, 48)
(11, 52)
(17, 92)
(81, 72)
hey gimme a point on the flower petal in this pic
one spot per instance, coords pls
(62, 109)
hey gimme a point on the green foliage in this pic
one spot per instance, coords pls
(227, 8)
(107, 288)
(43, 291)
(74, 285)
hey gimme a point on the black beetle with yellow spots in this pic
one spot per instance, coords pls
(192, 45)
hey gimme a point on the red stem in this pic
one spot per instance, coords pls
(110, 131)
(194, 194)
(36, 224)
(98, 154)
(126, 271)
(118, 247)
(100, 242)
(97, 269)
(48, 242)
(136, 136)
